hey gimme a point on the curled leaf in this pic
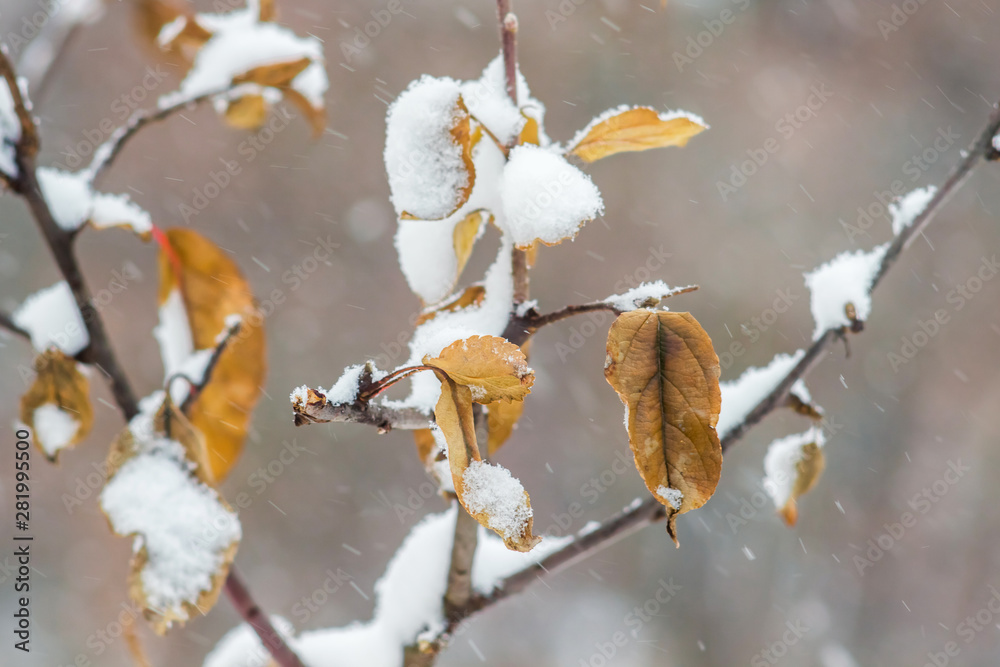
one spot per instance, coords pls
(201, 288)
(471, 296)
(57, 405)
(465, 234)
(187, 533)
(792, 466)
(633, 129)
(247, 112)
(502, 418)
(493, 368)
(276, 75)
(666, 372)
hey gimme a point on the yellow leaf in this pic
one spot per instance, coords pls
(502, 417)
(464, 237)
(637, 129)
(426, 446)
(57, 405)
(531, 254)
(793, 465)
(493, 368)
(212, 289)
(666, 372)
(273, 76)
(471, 296)
(247, 113)
(511, 521)
(529, 133)
(153, 15)
(268, 11)
(809, 470)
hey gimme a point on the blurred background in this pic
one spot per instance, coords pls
(895, 78)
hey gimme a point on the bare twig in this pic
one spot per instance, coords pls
(213, 361)
(463, 548)
(508, 41)
(360, 412)
(99, 351)
(650, 511)
(109, 150)
(251, 613)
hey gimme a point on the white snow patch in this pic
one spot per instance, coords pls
(240, 44)
(74, 202)
(489, 318)
(490, 489)
(637, 296)
(299, 395)
(545, 198)
(427, 174)
(180, 521)
(906, 210)
(847, 278)
(780, 463)
(173, 333)
(345, 389)
(55, 428)
(673, 496)
(742, 395)
(408, 601)
(51, 317)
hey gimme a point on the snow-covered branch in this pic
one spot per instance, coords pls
(650, 511)
(109, 150)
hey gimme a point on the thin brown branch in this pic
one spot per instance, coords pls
(109, 150)
(508, 42)
(463, 548)
(251, 613)
(318, 410)
(213, 361)
(27, 142)
(60, 241)
(650, 510)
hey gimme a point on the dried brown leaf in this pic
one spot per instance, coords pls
(493, 368)
(454, 416)
(808, 470)
(666, 372)
(59, 384)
